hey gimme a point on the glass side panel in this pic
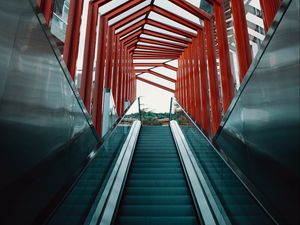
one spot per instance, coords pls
(230, 196)
(88, 189)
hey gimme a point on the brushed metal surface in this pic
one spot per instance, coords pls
(261, 132)
(44, 133)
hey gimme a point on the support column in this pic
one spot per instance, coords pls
(46, 6)
(100, 76)
(225, 65)
(89, 55)
(196, 82)
(191, 82)
(72, 36)
(205, 115)
(108, 61)
(269, 9)
(242, 37)
(115, 71)
(213, 79)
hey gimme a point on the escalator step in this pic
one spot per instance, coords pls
(156, 191)
(187, 220)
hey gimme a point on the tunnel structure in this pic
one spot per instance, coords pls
(75, 147)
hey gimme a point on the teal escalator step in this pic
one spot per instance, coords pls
(156, 191)
(157, 200)
(157, 210)
(142, 220)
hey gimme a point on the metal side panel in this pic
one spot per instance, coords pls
(260, 133)
(43, 129)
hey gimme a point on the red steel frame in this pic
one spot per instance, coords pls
(241, 36)
(196, 54)
(269, 9)
(72, 36)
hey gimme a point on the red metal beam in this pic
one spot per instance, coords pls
(196, 67)
(147, 64)
(170, 67)
(205, 115)
(89, 54)
(184, 41)
(141, 52)
(155, 84)
(161, 76)
(162, 43)
(242, 37)
(170, 28)
(192, 9)
(155, 57)
(46, 6)
(225, 65)
(131, 28)
(99, 78)
(158, 48)
(131, 17)
(269, 9)
(213, 79)
(191, 76)
(72, 36)
(176, 18)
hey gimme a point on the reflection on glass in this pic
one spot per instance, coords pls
(229, 195)
(92, 182)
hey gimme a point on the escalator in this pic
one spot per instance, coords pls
(156, 190)
(159, 175)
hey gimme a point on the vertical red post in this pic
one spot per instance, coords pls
(89, 55)
(100, 76)
(119, 90)
(242, 37)
(196, 82)
(46, 6)
(213, 79)
(108, 61)
(205, 115)
(185, 102)
(72, 36)
(269, 9)
(191, 82)
(115, 71)
(225, 66)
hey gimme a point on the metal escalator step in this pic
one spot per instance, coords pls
(142, 220)
(157, 210)
(174, 176)
(157, 200)
(156, 183)
(157, 191)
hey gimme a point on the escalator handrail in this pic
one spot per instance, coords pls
(207, 206)
(109, 199)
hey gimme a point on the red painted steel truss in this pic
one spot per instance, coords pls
(126, 54)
